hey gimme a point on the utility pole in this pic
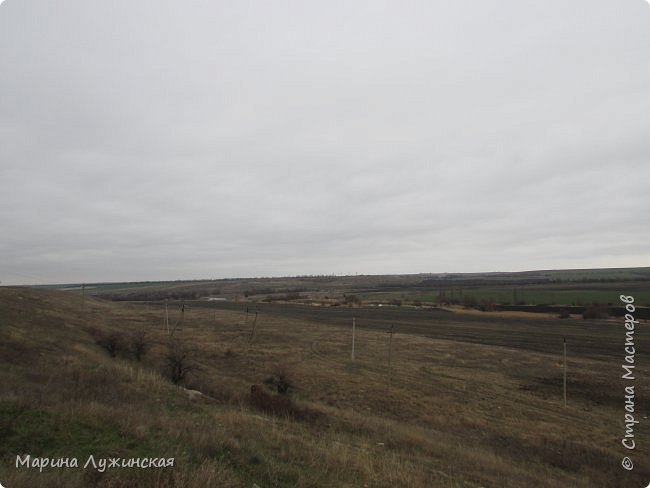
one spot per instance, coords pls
(353, 331)
(179, 323)
(83, 297)
(165, 325)
(564, 343)
(250, 339)
(390, 345)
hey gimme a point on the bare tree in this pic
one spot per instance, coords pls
(353, 300)
(139, 344)
(178, 362)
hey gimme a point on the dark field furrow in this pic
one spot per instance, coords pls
(594, 339)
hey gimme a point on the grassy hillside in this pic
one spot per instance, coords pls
(450, 413)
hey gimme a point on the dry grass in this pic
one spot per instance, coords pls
(454, 414)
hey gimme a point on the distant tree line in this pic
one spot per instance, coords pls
(162, 294)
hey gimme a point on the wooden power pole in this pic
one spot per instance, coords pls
(353, 332)
(250, 339)
(390, 346)
(564, 344)
(165, 325)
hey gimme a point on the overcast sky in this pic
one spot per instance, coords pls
(145, 140)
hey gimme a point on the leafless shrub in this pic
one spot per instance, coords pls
(595, 311)
(139, 344)
(112, 343)
(352, 300)
(281, 379)
(178, 362)
(487, 305)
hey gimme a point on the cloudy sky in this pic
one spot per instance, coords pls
(145, 140)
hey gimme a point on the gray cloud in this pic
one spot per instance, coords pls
(166, 140)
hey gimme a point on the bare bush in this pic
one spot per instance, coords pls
(595, 311)
(281, 379)
(352, 300)
(178, 362)
(487, 305)
(112, 343)
(139, 344)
